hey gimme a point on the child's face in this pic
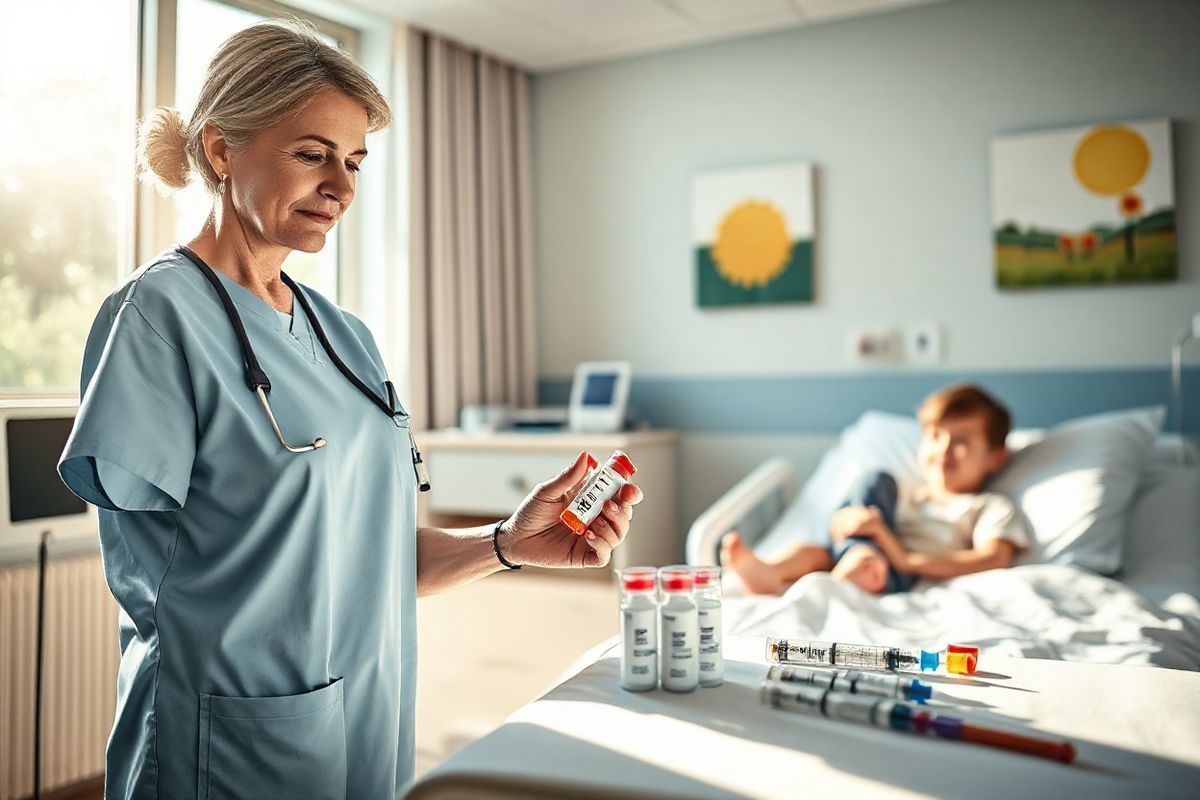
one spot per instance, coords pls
(955, 455)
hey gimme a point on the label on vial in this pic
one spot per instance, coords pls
(679, 648)
(639, 635)
(711, 663)
(603, 485)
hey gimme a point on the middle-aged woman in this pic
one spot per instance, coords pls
(268, 593)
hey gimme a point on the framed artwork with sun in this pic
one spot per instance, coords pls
(752, 235)
(1086, 205)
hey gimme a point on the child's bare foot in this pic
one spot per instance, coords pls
(758, 576)
(865, 567)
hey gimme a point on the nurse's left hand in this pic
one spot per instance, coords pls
(535, 535)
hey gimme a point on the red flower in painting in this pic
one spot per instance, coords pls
(1131, 204)
(1087, 242)
(1066, 243)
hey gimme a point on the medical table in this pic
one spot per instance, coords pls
(1137, 730)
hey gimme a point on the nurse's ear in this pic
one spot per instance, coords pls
(216, 149)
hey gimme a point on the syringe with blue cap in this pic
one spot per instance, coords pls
(854, 682)
(958, 659)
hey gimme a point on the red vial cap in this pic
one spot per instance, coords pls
(707, 576)
(622, 465)
(638, 579)
(677, 579)
(638, 583)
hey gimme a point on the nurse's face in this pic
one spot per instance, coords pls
(295, 180)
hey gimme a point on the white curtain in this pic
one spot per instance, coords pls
(471, 266)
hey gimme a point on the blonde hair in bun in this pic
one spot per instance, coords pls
(258, 76)
(162, 149)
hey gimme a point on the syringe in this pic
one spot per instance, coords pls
(959, 659)
(894, 715)
(854, 682)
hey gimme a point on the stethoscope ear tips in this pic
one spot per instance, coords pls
(319, 442)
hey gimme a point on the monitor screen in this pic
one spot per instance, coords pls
(34, 489)
(598, 391)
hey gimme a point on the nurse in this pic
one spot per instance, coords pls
(267, 597)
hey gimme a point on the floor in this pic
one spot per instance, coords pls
(488, 648)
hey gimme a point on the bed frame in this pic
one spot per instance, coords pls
(751, 507)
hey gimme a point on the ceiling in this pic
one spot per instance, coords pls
(545, 35)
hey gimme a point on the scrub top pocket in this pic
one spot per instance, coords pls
(269, 747)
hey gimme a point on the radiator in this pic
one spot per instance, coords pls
(79, 680)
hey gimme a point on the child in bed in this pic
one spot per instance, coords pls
(888, 534)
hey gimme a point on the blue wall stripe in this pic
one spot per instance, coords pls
(826, 403)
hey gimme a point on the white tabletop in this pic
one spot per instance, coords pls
(1137, 731)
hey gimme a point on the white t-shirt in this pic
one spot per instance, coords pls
(934, 526)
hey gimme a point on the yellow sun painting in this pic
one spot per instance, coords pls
(1091, 204)
(752, 245)
(752, 235)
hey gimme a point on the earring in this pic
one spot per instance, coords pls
(221, 185)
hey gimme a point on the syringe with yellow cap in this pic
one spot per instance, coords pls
(958, 659)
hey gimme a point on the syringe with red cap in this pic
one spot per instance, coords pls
(958, 659)
(601, 485)
(898, 716)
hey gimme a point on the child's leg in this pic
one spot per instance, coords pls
(773, 576)
(877, 489)
(864, 566)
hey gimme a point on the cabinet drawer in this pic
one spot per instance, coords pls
(488, 482)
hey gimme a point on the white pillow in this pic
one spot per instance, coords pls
(1076, 484)
(1162, 548)
(1092, 465)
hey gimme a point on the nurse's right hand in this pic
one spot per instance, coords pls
(535, 535)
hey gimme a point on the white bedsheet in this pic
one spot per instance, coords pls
(1039, 611)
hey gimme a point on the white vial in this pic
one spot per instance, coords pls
(680, 630)
(639, 629)
(708, 610)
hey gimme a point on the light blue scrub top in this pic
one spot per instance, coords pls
(267, 621)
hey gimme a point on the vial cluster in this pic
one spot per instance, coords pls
(671, 628)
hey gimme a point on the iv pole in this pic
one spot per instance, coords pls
(37, 697)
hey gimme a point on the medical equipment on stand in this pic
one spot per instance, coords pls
(853, 682)
(897, 716)
(959, 659)
(260, 384)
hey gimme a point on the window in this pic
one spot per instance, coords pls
(74, 77)
(66, 112)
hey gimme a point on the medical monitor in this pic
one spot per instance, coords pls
(599, 396)
(33, 498)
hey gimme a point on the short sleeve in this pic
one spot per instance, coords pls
(134, 438)
(998, 519)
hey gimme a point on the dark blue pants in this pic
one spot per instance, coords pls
(876, 489)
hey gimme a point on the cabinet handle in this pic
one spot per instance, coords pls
(518, 483)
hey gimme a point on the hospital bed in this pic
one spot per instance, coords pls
(1114, 579)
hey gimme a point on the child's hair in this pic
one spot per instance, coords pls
(965, 399)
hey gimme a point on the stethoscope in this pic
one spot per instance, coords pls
(258, 382)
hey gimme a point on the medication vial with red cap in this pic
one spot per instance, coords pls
(639, 629)
(680, 630)
(601, 485)
(708, 613)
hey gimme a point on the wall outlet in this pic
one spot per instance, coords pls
(875, 346)
(924, 343)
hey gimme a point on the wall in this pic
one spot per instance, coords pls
(896, 111)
